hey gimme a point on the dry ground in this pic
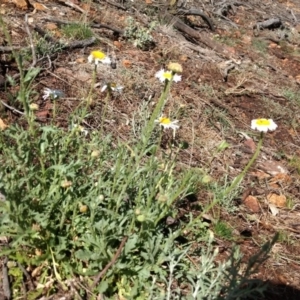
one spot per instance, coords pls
(258, 75)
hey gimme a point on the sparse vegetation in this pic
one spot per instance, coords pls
(77, 31)
(127, 165)
(260, 45)
(139, 35)
(222, 230)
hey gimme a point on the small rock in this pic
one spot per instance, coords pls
(272, 167)
(252, 204)
(248, 146)
(277, 200)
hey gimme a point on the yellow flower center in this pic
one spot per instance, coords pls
(167, 75)
(263, 122)
(98, 55)
(165, 121)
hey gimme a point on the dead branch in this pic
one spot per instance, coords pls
(12, 109)
(80, 44)
(268, 24)
(72, 5)
(195, 12)
(114, 259)
(114, 29)
(202, 37)
(224, 10)
(115, 4)
(8, 49)
(31, 42)
(5, 280)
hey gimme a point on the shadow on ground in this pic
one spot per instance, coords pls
(279, 292)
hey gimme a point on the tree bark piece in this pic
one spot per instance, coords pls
(203, 37)
(195, 12)
(268, 24)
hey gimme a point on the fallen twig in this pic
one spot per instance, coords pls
(118, 253)
(80, 44)
(12, 109)
(8, 49)
(117, 30)
(31, 42)
(196, 12)
(115, 4)
(27, 275)
(204, 38)
(72, 5)
(268, 24)
(5, 280)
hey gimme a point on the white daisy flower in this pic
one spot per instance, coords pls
(80, 129)
(163, 75)
(98, 56)
(114, 87)
(166, 123)
(53, 94)
(263, 125)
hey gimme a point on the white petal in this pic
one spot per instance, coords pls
(253, 124)
(104, 88)
(159, 73)
(106, 60)
(176, 78)
(90, 58)
(273, 125)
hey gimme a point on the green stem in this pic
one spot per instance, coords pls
(146, 135)
(89, 97)
(157, 111)
(107, 98)
(238, 179)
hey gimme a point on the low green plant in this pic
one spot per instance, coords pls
(260, 45)
(225, 200)
(139, 35)
(284, 237)
(291, 95)
(44, 47)
(227, 40)
(222, 230)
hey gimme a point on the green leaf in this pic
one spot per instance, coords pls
(31, 73)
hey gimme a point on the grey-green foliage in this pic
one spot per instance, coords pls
(225, 280)
(45, 47)
(139, 35)
(47, 175)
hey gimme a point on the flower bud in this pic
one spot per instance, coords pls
(175, 67)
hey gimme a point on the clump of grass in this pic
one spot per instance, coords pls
(295, 163)
(292, 95)
(260, 45)
(223, 230)
(77, 31)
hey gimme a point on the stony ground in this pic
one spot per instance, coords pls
(240, 69)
